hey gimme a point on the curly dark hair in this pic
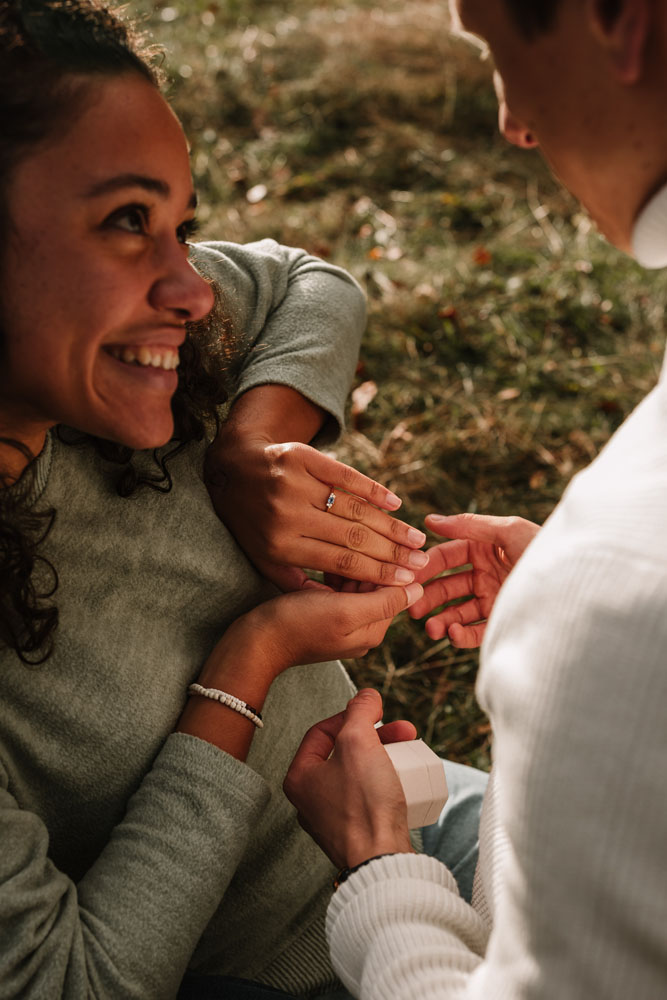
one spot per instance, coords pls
(47, 50)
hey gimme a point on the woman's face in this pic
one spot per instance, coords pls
(96, 286)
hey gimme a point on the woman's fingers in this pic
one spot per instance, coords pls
(362, 537)
(381, 605)
(351, 508)
(344, 561)
(344, 477)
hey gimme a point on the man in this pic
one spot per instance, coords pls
(571, 891)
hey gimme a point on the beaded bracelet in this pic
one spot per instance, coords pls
(231, 701)
(345, 873)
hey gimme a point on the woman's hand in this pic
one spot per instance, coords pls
(308, 626)
(492, 546)
(344, 786)
(273, 498)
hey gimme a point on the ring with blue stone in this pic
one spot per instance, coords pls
(331, 499)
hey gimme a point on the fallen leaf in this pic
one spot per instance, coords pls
(363, 396)
(481, 256)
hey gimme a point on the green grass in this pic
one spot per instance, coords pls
(507, 341)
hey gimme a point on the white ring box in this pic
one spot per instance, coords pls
(422, 776)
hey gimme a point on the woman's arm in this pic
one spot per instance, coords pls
(298, 321)
(130, 925)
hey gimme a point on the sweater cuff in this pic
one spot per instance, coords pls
(391, 867)
(399, 923)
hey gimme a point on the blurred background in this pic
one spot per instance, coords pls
(506, 340)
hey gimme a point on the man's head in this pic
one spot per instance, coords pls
(586, 80)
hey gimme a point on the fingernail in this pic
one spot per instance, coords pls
(413, 592)
(416, 537)
(403, 576)
(417, 559)
(393, 501)
(437, 517)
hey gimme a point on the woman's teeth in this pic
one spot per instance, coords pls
(147, 356)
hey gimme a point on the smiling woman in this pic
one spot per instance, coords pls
(97, 268)
(143, 833)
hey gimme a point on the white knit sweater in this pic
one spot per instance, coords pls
(571, 893)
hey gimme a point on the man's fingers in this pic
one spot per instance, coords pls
(478, 527)
(469, 637)
(400, 731)
(444, 557)
(467, 613)
(333, 473)
(446, 588)
(513, 534)
(365, 707)
(317, 744)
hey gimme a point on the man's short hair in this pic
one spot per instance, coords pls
(534, 17)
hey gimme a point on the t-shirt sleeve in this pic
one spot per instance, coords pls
(129, 927)
(296, 321)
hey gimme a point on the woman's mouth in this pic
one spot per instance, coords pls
(165, 358)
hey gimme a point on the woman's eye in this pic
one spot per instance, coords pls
(187, 230)
(131, 218)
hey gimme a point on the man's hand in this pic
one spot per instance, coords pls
(345, 789)
(483, 552)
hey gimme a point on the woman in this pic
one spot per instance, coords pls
(138, 828)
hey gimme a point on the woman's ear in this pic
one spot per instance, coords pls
(622, 28)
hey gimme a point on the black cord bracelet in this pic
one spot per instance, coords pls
(345, 873)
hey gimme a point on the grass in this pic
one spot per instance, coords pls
(506, 340)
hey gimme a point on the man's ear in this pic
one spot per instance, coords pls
(623, 31)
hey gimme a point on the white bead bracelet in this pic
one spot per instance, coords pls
(231, 701)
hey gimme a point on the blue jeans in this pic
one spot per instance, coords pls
(454, 839)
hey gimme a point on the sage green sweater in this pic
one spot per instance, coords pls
(128, 852)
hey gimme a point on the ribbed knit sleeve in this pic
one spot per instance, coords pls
(130, 925)
(297, 320)
(397, 926)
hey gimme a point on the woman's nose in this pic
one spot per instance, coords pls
(182, 289)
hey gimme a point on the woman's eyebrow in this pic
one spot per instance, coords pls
(120, 181)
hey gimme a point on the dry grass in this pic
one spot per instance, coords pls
(506, 341)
